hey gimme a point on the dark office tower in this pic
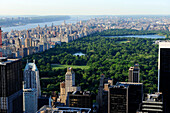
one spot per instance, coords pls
(102, 97)
(125, 97)
(134, 74)
(100, 93)
(11, 77)
(164, 74)
(118, 99)
(81, 99)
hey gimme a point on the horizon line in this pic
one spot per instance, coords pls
(94, 15)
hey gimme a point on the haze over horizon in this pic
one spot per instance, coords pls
(86, 7)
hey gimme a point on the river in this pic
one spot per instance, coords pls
(73, 19)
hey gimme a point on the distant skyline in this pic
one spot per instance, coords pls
(85, 7)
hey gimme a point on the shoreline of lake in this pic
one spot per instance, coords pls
(138, 36)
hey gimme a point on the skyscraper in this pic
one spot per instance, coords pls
(125, 97)
(68, 86)
(102, 97)
(11, 77)
(81, 99)
(134, 74)
(31, 88)
(117, 99)
(99, 97)
(164, 73)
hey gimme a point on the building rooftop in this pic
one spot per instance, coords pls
(32, 66)
(130, 83)
(29, 90)
(157, 97)
(81, 93)
(124, 84)
(47, 109)
(5, 60)
(164, 44)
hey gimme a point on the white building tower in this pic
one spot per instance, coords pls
(31, 88)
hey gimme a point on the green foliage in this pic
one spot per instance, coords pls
(110, 56)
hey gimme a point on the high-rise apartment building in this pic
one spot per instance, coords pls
(164, 73)
(31, 88)
(11, 77)
(125, 97)
(134, 74)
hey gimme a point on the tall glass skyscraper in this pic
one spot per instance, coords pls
(164, 74)
(11, 77)
(31, 88)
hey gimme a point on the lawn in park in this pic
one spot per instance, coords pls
(59, 66)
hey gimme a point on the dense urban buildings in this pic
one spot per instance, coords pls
(17, 44)
(11, 94)
(134, 74)
(23, 20)
(31, 88)
(163, 73)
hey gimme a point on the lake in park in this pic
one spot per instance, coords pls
(139, 36)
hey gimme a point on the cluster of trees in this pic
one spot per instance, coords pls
(106, 56)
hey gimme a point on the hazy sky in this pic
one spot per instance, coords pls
(84, 7)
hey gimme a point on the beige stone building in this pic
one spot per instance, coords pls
(68, 86)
